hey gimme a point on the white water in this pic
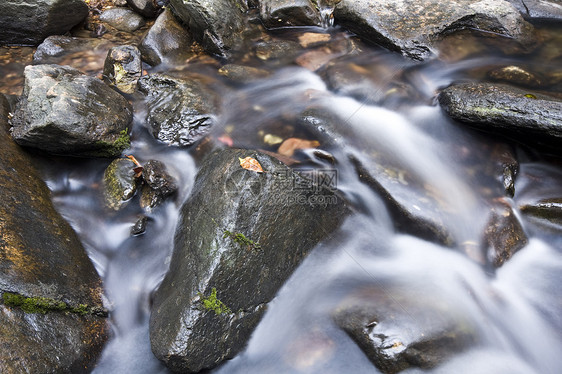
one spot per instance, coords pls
(514, 312)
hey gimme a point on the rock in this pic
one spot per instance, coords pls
(549, 209)
(503, 235)
(123, 67)
(413, 27)
(180, 111)
(506, 110)
(158, 178)
(140, 226)
(148, 8)
(243, 74)
(240, 236)
(56, 46)
(399, 329)
(50, 293)
(535, 10)
(150, 198)
(218, 25)
(119, 183)
(29, 22)
(63, 111)
(122, 19)
(516, 75)
(282, 13)
(166, 41)
(284, 51)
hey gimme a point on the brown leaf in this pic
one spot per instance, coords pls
(250, 163)
(290, 145)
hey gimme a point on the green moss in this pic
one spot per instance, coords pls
(241, 240)
(113, 149)
(44, 305)
(213, 303)
(530, 96)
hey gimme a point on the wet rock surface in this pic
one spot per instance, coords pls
(534, 10)
(397, 333)
(412, 28)
(123, 67)
(218, 25)
(503, 235)
(63, 111)
(29, 22)
(122, 19)
(530, 116)
(53, 47)
(42, 262)
(280, 13)
(232, 252)
(180, 111)
(119, 183)
(148, 8)
(167, 41)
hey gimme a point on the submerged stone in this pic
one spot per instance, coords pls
(516, 75)
(413, 27)
(240, 236)
(62, 111)
(398, 329)
(180, 110)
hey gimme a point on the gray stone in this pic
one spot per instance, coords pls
(167, 41)
(119, 183)
(157, 177)
(54, 47)
(550, 10)
(180, 111)
(42, 257)
(63, 111)
(399, 329)
(506, 110)
(122, 19)
(413, 27)
(29, 22)
(148, 8)
(240, 236)
(281, 13)
(218, 25)
(123, 67)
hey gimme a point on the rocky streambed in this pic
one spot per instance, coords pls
(289, 186)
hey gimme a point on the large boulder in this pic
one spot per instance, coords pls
(29, 22)
(51, 311)
(240, 236)
(62, 111)
(166, 41)
(218, 25)
(180, 110)
(506, 110)
(412, 27)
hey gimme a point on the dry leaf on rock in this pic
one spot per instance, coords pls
(250, 163)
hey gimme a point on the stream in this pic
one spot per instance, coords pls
(514, 310)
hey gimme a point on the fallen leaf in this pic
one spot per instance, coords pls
(290, 145)
(138, 169)
(250, 163)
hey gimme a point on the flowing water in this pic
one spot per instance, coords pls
(513, 311)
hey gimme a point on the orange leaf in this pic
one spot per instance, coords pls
(289, 146)
(250, 163)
